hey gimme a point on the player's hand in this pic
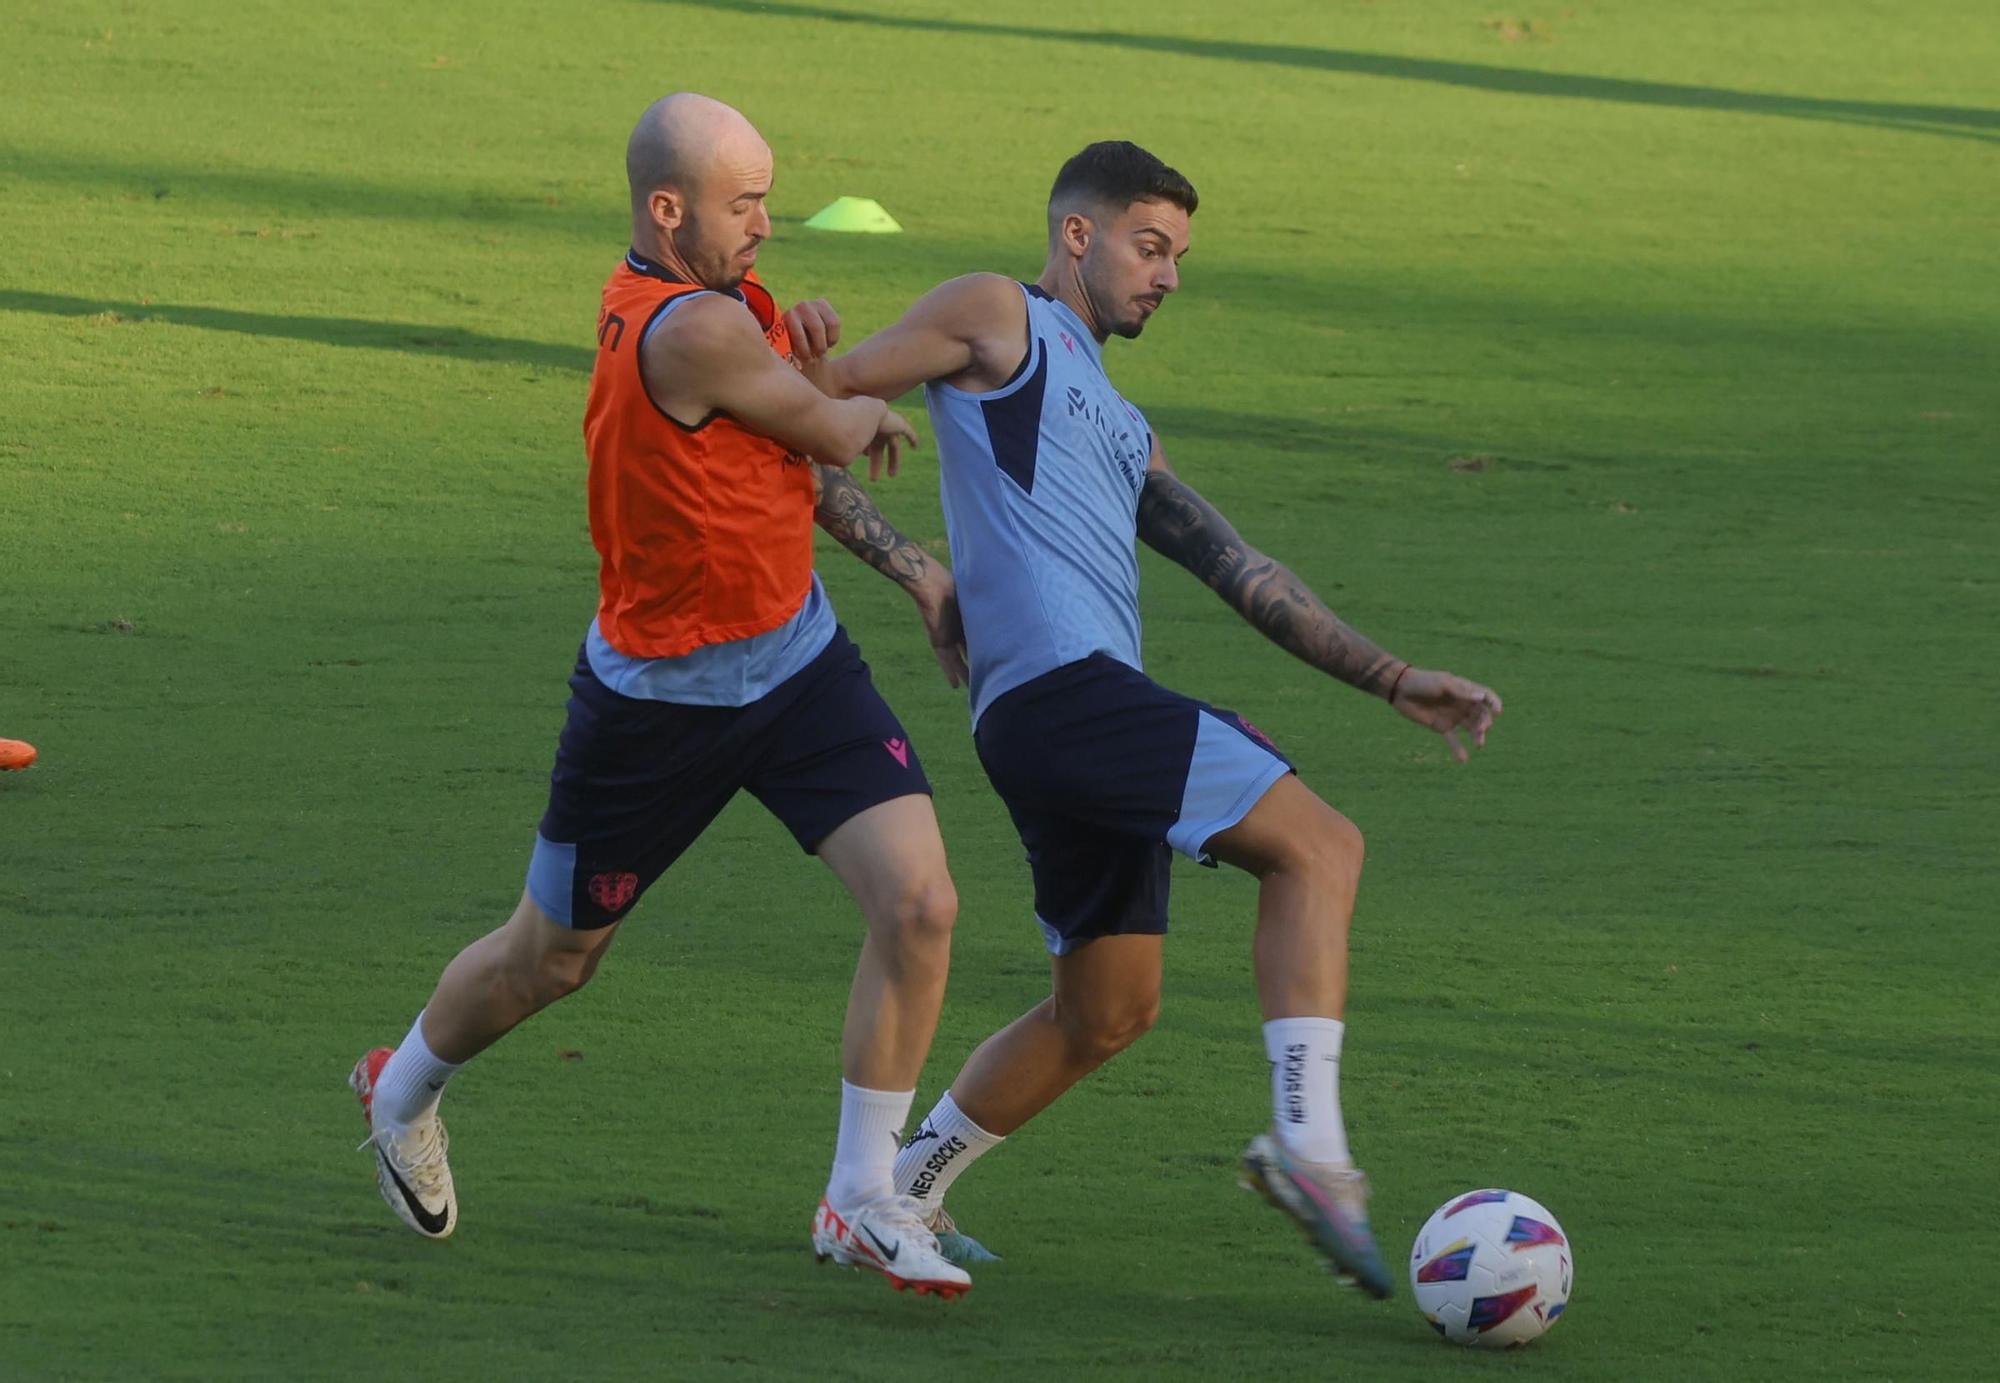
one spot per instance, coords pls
(891, 436)
(937, 601)
(1449, 706)
(814, 328)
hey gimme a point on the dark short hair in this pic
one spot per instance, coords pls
(1114, 173)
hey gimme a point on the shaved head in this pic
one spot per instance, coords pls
(698, 172)
(679, 137)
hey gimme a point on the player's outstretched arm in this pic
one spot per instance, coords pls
(1176, 522)
(970, 332)
(710, 357)
(849, 515)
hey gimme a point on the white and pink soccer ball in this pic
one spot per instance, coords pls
(1491, 1268)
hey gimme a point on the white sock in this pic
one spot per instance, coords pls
(411, 1081)
(945, 1144)
(871, 1129)
(1305, 1086)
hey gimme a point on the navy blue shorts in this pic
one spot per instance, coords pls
(637, 781)
(1106, 774)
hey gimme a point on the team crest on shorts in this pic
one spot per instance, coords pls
(612, 891)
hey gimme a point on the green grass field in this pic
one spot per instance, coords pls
(1640, 360)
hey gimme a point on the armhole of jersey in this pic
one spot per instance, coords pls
(1013, 421)
(1019, 377)
(639, 362)
(1027, 325)
(769, 304)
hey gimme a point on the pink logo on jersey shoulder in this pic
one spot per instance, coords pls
(1255, 733)
(899, 750)
(1068, 344)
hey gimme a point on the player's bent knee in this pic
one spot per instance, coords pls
(1344, 842)
(545, 960)
(554, 975)
(1097, 1035)
(565, 972)
(922, 914)
(1331, 848)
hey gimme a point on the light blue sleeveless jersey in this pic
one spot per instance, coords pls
(1041, 483)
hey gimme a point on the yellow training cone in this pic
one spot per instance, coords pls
(860, 214)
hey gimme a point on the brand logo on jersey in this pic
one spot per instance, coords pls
(1124, 450)
(613, 891)
(899, 750)
(1068, 345)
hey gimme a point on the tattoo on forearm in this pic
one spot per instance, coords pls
(847, 513)
(1178, 523)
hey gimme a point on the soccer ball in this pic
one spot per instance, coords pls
(1491, 1268)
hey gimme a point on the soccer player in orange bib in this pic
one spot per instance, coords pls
(714, 666)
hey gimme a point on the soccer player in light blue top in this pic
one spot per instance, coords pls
(1049, 475)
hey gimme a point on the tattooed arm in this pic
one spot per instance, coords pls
(1177, 522)
(847, 513)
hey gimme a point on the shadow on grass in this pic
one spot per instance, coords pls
(416, 337)
(520, 204)
(1958, 121)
